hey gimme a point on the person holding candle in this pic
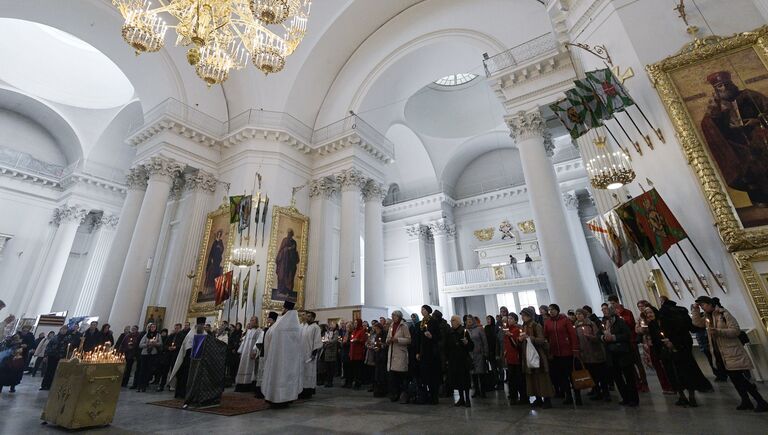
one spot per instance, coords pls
(637, 362)
(725, 340)
(459, 348)
(151, 345)
(428, 356)
(479, 354)
(617, 339)
(330, 353)
(510, 335)
(130, 347)
(398, 341)
(563, 347)
(380, 352)
(55, 351)
(357, 339)
(652, 348)
(592, 353)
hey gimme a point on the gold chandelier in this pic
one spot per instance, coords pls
(222, 34)
(609, 170)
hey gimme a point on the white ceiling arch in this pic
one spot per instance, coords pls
(48, 117)
(154, 76)
(110, 148)
(470, 150)
(430, 22)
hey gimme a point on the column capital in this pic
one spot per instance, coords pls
(351, 180)
(549, 144)
(163, 167)
(323, 187)
(177, 188)
(109, 221)
(442, 227)
(374, 191)
(571, 200)
(201, 181)
(525, 125)
(67, 213)
(137, 178)
(417, 231)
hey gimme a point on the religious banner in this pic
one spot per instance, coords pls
(234, 208)
(246, 284)
(223, 287)
(569, 117)
(609, 232)
(651, 223)
(609, 91)
(586, 103)
(244, 215)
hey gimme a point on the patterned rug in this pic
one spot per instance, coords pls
(231, 404)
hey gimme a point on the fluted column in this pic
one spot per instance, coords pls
(319, 290)
(583, 257)
(104, 228)
(564, 279)
(417, 264)
(67, 219)
(136, 182)
(350, 293)
(135, 276)
(177, 289)
(373, 195)
(444, 233)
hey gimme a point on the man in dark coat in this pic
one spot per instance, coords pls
(92, 337)
(428, 354)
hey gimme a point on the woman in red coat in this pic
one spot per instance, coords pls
(512, 346)
(563, 346)
(357, 341)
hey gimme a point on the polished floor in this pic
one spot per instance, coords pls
(340, 411)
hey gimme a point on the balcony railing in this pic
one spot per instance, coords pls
(279, 121)
(507, 272)
(25, 162)
(529, 50)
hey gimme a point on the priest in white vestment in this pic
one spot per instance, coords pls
(246, 371)
(258, 349)
(283, 362)
(312, 342)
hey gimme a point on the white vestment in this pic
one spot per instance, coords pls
(257, 351)
(283, 363)
(247, 365)
(311, 340)
(185, 345)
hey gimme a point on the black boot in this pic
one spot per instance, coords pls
(568, 398)
(468, 404)
(577, 397)
(461, 401)
(547, 403)
(762, 405)
(476, 386)
(692, 399)
(681, 399)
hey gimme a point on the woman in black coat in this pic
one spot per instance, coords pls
(492, 339)
(458, 348)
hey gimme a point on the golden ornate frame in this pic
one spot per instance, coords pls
(757, 291)
(208, 309)
(732, 233)
(302, 236)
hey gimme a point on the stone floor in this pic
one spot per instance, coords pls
(341, 411)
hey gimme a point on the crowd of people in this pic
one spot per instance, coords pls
(536, 357)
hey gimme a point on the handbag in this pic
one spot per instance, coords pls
(581, 379)
(531, 355)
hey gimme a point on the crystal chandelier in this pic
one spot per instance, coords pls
(244, 257)
(221, 34)
(609, 170)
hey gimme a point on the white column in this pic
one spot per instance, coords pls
(417, 263)
(136, 182)
(583, 257)
(351, 182)
(103, 236)
(444, 234)
(374, 194)
(564, 280)
(177, 290)
(319, 289)
(67, 218)
(135, 276)
(4, 238)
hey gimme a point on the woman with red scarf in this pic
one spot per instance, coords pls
(357, 342)
(512, 347)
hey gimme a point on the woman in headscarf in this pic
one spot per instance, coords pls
(398, 341)
(330, 355)
(479, 354)
(379, 350)
(492, 339)
(510, 334)
(537, 379)
(151, 345)
(652, 350)
(592, 353)
(458, 349)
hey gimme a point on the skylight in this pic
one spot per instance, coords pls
(455, 79)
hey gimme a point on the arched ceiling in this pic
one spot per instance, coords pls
(46, 116)
(470, 150)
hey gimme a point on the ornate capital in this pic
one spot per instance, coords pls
(201, 180)
(549, 144)
(526, 125)
(571, 201)
(323, 187)
(351, 180)
(417, 231)
(442, 227)
(163, 167)
(136, 178)
(374, 191)
(177, 188)
(66, 213)
(109, 221)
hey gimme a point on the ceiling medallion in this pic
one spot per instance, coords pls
(222, 35)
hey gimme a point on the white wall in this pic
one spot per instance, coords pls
(23, 134)
(491, 171)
